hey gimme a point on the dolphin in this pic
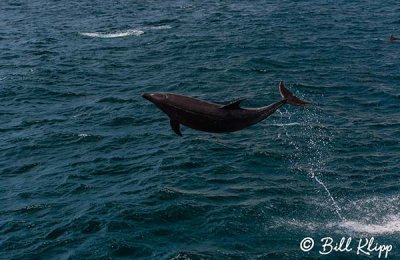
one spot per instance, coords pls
(215, 118)
(392, 39)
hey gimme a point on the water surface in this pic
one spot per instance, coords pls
(89, 169)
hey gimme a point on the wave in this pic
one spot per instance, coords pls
(116, 34)
(114, 100)
(134, 32)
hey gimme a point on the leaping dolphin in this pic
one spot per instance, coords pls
(210, 117)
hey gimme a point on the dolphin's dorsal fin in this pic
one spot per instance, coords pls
(233, 105)
(175, 127)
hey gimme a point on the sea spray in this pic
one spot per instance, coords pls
(311, 149)
(318, 147)
(337, 208)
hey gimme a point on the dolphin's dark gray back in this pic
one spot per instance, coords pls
(210, 117)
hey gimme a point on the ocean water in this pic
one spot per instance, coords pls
(91, 170)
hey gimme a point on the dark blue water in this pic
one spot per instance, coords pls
(89, 169)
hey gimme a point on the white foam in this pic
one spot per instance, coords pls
(83, 135)
(390, 226)
(288, 124)
(160, 27)
(373, 216)
(116, 34)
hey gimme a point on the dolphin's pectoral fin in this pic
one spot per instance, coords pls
(233, 105)
(175, 127)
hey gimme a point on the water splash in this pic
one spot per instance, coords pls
(367, 219)
(390, 226)
(311, 148)
(337, 208)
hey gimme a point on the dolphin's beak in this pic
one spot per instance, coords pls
(147, 96)
(156, 98)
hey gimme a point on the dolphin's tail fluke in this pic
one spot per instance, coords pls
(289, 97)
